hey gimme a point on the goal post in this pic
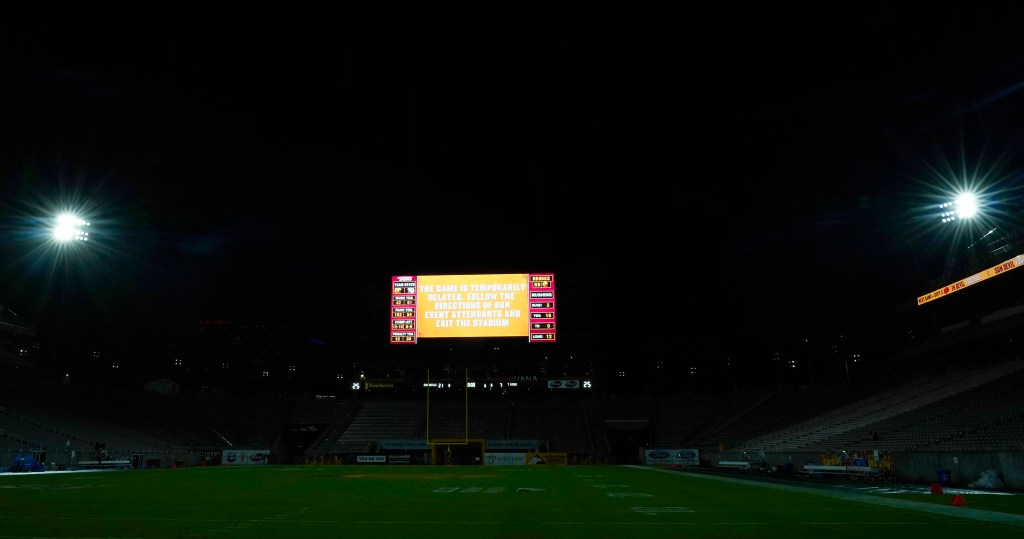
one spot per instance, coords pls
(448, 449)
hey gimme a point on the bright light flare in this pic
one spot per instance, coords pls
(70, 227)
(967, 205)
(964, 207)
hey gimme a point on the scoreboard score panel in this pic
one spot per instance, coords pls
(478, 305)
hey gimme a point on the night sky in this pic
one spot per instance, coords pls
(775, 172)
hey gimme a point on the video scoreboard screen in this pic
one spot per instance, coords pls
(492, 305)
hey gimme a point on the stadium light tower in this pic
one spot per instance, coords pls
(964, 206)
(70, 227)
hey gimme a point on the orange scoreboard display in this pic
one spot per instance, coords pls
(486, 305)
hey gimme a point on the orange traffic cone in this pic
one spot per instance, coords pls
(936, 488)
(957, 500)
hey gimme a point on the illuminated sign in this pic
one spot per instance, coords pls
(998, 269)
(486, 305)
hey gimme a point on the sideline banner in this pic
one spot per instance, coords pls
(504, 459)
(404, 445)
(687, 457)
(534, 457)
(244, 457)
(525, 445)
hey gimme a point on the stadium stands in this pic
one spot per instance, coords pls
(827, 428)
(378, 419)
(974, 408)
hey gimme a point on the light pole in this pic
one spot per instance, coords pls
(67, 228)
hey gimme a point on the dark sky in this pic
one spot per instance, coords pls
(777, 169)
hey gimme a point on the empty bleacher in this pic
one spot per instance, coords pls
(377, 419)
(831, 426)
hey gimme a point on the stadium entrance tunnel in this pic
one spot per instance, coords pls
(297, 439)
(627, 439)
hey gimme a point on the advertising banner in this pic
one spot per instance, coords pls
(686, 457)
(504, 459)
(404, 445)
(534, 457)
(998, 269)
(506, 445)
(244, 457)
(371, 459)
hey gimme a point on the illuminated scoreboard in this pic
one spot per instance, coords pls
(490, 305)
(542, 307)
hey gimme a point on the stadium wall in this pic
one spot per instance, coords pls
(65, 460)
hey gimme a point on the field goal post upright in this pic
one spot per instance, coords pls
(454, 450)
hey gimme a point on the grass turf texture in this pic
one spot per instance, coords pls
(465, 502)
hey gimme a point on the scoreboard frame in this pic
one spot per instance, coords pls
(541, 322)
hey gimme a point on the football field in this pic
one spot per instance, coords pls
(563, 502)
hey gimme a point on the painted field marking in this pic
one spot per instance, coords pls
(470, 490)
(629, 495)
(656, 510)
(44, 487)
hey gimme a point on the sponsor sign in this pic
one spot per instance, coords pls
(399, 458)
(504, 459)
(998, 269)
(405, 445)
(244, 457)
(524, 445)
(371, 459)
(688, 457)
(534, 457)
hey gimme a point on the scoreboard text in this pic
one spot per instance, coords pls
(488, 305)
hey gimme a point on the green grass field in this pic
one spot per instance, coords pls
(565, 502)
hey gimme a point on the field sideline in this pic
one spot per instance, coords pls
(565, 502)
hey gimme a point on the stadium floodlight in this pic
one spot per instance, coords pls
(964, 206)
(70, 227)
